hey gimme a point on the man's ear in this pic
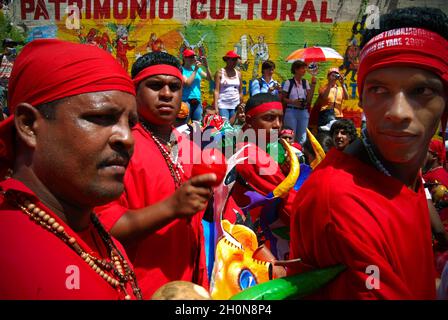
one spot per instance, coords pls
(25, 119)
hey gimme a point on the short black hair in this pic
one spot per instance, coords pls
(432, 19)
(152, 59)
(268, 64)
(209, 107)
(325, 140)
(344, 124)
(296, 65)
(260, 98)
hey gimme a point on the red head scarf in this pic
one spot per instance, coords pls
(412, 47)
(267, 106)
(47, 70)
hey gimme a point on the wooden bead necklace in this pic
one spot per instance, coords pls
(115, 272)
(174, 166)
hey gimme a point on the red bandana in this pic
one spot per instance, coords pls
(412, 47)
(274, 105)
(156, 70)
(49, 69)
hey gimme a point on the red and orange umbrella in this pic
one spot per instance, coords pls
(314, 54)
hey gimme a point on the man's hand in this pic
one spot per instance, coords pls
(204, 61)
(192, 196)
(197, 64)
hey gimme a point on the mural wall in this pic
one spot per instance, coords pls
(257, 29)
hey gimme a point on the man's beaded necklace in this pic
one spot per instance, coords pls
(174, 166)
(115, 271)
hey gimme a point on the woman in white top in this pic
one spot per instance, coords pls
(228, 87)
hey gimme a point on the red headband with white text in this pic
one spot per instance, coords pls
(413, 47)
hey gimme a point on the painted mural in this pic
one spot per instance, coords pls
(258, 30)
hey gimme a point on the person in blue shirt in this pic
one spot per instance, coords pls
(265, 84)
(193, 75)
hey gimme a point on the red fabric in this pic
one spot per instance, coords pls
(214, 120)
(34, 261)
(314, 115)
(176, 251)
(157, 70)
(348, 213)
(297, 145)
(265, 107)
(287, 131)
(440, 174)
(188, 53)
(231, 54)
(413, 47)
(49, 69)
(438, 147)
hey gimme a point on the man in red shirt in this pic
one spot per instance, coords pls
(63, 151)
(158, 217)
(365, 207)
(261, 173)
(434, 167)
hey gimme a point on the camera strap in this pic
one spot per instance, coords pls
(335, 97)
(297, 87)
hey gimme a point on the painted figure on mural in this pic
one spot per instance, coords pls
(260, 51)
(93, 37)
(241, 48)
(90, 38)
(4, 5)
(199, 48)
(121, 42)
(351, 59)
(155, 44)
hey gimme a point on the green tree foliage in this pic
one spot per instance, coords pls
(9, 30)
